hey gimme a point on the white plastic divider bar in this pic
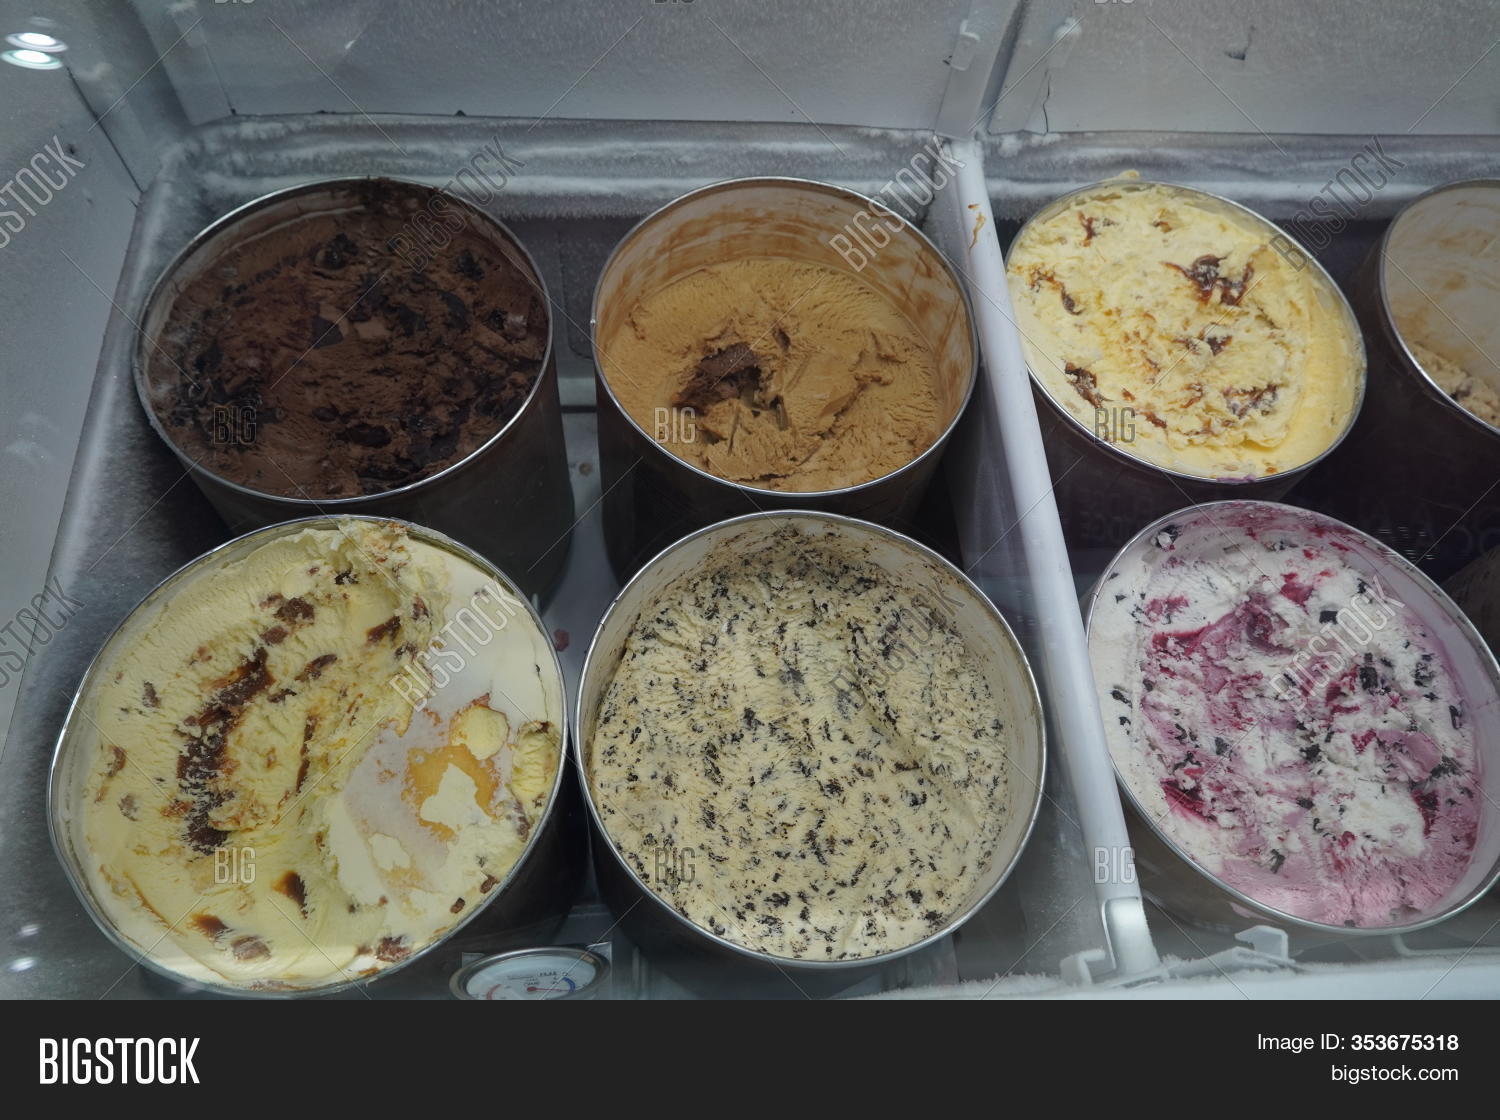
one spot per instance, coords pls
(1067, 679)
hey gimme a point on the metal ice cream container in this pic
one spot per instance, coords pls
(1169, 873)
(510, 498)
(1476, 588)
(1418, 469)
(676, 940)
(1105, 488)
(535, 892)
(652, 496)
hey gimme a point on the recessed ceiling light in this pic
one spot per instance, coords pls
(37, 41)
(32, 60)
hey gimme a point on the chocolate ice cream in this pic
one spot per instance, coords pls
(312, 360)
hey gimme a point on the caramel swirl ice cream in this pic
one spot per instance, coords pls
(1233, 354)
(287, 778)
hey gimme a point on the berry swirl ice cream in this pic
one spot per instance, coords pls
(1284, 719)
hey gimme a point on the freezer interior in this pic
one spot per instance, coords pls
(175, 114)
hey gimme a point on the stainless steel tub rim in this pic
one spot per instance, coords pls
(1387, 312)
(594, 667)
(1351, 324)
(914, 464)
(510, 496)
(58, 776)
(1487, 661)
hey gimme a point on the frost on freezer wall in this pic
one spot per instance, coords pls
(1471, 976)
(861, 62)
(1252, 66)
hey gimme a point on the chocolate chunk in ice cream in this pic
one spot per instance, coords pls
(730, 372)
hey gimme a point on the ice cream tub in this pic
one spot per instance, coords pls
(772, 343)
(1476, 589)
(312, 756)
(808, 744)
(365, 346)
(1182, 348)
(1418, 469)
(1304, 727)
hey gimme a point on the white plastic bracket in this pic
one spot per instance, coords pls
(1270, 941)
(965, 49)
(1077, 969)
(971, 64)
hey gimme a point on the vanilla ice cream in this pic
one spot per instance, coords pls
(1477, 393)
(1440, 278)
(1289, 723)
(799, 752)
(1233, 354)
(314, 757)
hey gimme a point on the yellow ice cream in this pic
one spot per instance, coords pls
(1232, 361)
(287, 777)
(1475, 393)
(777, 373)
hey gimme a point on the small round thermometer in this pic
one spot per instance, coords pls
(549, 972)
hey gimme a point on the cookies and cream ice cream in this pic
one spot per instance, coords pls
(799, 753)
(776, 373)
(1233, 359)
(321, 359)
(312, 759)
(1288, 722)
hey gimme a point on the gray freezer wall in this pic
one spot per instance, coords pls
(57, 274)
(1239, 66)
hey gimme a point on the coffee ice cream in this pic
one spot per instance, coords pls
(1234, 357)
(314, 360)
(1290, 724)
(290, 773)
(800, 754)
(776, 373)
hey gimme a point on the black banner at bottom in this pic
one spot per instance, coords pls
(1146, 1050)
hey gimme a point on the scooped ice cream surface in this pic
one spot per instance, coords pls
(777, 373)
(277, 792)
(1287, 721)
(800, 754)
(1232, 355)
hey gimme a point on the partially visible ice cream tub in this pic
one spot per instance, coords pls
(809, 744)
(1418, 469)
(1476, 588)
(365, 346)
(1305, 728)
(771, 344)
(311, 756)
(1183, 348)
